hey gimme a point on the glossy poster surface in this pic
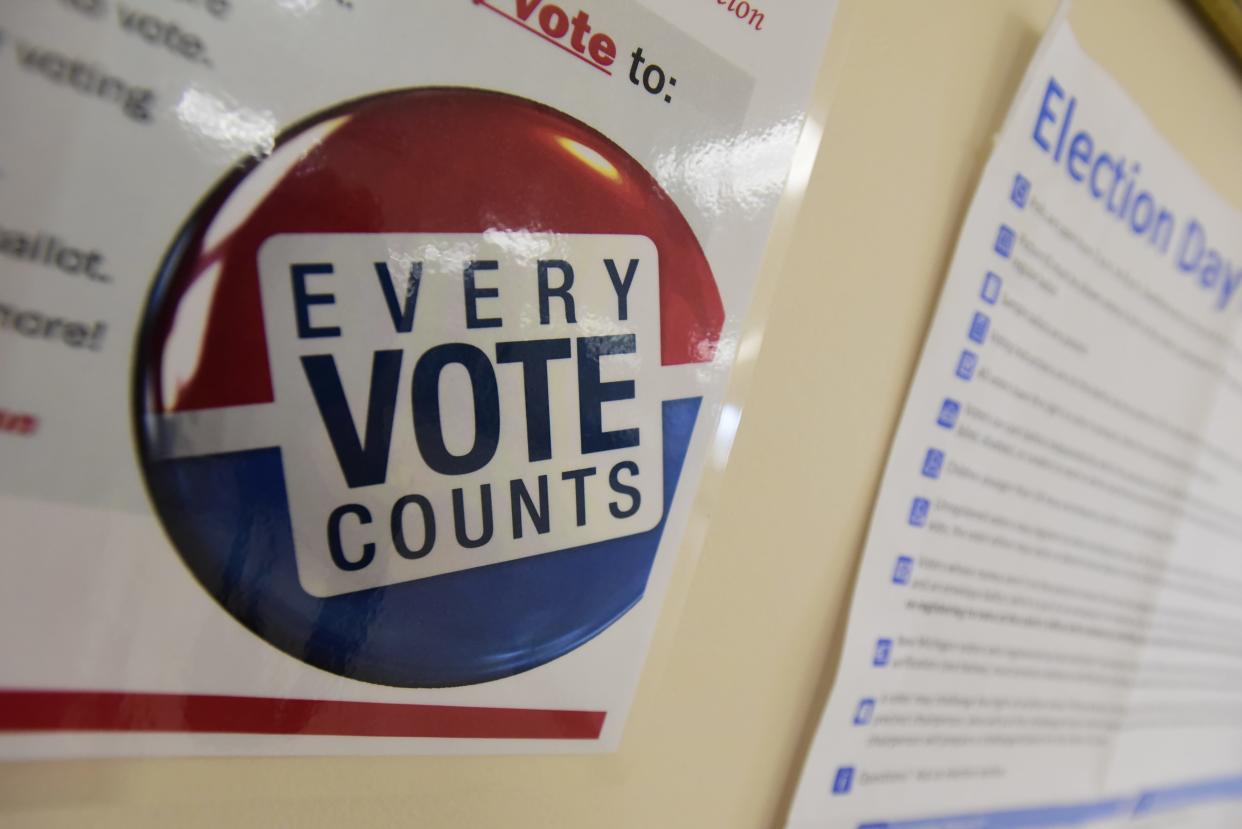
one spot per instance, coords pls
(360, 360)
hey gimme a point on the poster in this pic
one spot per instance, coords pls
(360, 358)
(1044, 628)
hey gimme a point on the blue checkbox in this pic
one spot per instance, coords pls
(966, 364)
(919, 508)
(1021, 190)
(864, 712)
(979, 326)
(991, 288)
(883, 652)
(949, 410)
(843, 781)
(903, 570)
(933, 462)
(1004, 240)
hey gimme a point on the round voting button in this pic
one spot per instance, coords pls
(403, 393)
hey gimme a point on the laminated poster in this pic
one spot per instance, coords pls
(1047, 627)
(359, 359)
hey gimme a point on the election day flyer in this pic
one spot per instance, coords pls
(1044, 629)
(361, 358)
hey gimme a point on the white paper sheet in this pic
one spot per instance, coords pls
(1046, 628)
(235, 519)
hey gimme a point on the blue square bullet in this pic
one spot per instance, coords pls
(864, 712)
(933, 462)
(991, 288)
(949, 410)
(1021, 190)
(1004, 240)
(843, 781)
(979, 326)
(883, 650)
(903, 569)
(966, 364)
(919, 508)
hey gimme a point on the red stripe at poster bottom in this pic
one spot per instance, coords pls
(43, 710)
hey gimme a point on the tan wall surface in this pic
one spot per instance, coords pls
(909, 97)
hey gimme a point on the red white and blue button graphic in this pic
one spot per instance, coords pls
(414, 392)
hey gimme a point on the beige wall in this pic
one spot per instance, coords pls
(909, 98)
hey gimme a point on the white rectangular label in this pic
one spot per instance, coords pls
(449, 401)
